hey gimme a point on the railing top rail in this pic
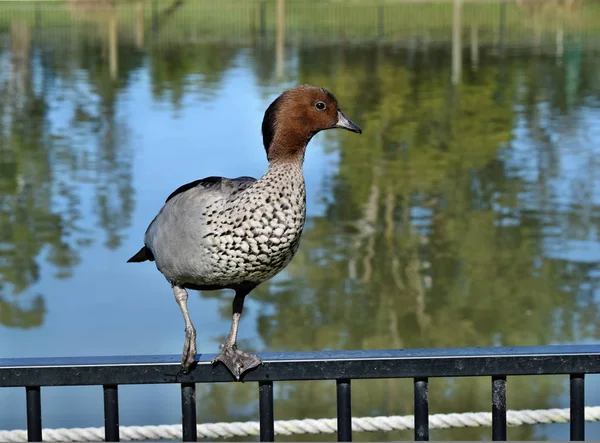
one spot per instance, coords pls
(321, 365)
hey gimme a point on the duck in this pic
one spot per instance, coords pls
(220, 233)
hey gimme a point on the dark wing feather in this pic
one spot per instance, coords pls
(225, 185)
(205, 182)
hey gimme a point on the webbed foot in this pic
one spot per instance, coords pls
(237, 361)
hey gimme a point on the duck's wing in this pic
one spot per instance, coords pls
(210, 188)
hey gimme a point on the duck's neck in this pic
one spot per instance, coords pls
(293, 162)
(285, 180)
(288, 147)
(285, 170)
(286, 157)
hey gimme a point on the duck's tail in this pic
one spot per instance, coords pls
(143, 254)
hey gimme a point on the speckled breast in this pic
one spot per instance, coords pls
(259, 235)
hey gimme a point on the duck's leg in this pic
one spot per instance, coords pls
(189, 348)
(236, 361)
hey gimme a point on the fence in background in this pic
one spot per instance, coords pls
(341, 366)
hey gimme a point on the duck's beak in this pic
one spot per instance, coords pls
(345, 123)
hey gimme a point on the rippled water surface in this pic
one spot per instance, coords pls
(466, 214)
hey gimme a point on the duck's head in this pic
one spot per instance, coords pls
(296, 116)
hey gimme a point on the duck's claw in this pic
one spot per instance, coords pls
(188, 359)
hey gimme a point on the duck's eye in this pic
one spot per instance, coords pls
(320, 106)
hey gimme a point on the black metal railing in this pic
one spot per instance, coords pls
(343, 366)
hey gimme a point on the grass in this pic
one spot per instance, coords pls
(231, 20)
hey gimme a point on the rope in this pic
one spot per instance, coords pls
(306, 426)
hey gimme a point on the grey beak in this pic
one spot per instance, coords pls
(346, 123)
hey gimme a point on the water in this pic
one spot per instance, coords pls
(466, 214)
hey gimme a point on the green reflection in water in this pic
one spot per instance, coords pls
(432, 235)
(40, 210)
(429, 238)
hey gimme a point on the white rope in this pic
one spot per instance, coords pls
(306, 426)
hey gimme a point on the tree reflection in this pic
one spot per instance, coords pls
(43, 167)
(192, 69)
(430, 238)
(437, 230)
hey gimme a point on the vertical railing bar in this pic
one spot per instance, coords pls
(111, 413)
(577, 407)
(265, 407)
(34, 413)
(499, 408)
(344, 410)
(188, 409)
(421, 394)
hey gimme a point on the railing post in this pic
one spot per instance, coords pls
(421, 409)
(344, 410)
(499, 407)
(188, 409)
(34, 413)
(577, 405)
(265, 410)
(111, 413)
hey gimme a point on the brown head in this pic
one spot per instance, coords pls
(296, 116)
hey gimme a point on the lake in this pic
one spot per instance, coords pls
(466, 214)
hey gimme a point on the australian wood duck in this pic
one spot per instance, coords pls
(222, 233)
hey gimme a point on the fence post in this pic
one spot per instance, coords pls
(154, 17)
(263, 19)
(380, 22)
